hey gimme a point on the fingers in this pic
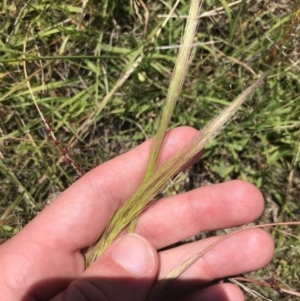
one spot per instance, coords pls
(124, 272)
(79, 215)
(211, 207)
(242, 252)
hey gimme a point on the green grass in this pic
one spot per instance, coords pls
(78, 60)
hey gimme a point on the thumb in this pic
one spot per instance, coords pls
(125, 271)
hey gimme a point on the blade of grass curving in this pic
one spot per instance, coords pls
(154, 184)
(182, 65)
(236, 280)
(184, 266)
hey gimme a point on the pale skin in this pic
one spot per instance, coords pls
(45, 262)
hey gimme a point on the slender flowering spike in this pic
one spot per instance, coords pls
(128, 213)
(182, 65)
(64, 150)
(67, 159)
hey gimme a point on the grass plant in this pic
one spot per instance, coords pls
(86, 66)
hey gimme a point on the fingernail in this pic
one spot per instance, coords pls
(133, 254)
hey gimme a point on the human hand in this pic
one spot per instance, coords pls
(45, 259)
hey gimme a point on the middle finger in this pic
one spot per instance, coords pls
(218, 206)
